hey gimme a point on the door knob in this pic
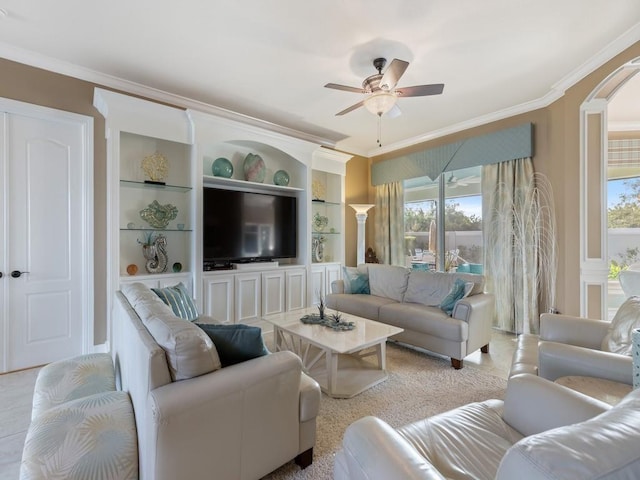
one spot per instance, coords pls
(17, 273)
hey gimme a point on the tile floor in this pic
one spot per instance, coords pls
(16, 394)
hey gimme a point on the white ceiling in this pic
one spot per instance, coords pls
(270, 59)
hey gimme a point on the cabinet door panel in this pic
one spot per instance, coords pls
(273, 289)
(248, 297)
(296, 287)
(317, 283)
(219, 298)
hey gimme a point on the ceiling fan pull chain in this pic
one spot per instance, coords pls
(379, 130)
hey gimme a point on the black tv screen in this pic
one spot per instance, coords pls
(243, 226)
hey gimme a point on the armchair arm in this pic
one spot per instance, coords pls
(533, 405)
(217, 421)
(557, 360)
(583, 332)
(372, 450)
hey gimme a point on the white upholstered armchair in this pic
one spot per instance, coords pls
(576, 346)
(541, 431)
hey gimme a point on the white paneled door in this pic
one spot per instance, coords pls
(46, 264)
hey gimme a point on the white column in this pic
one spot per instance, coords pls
(361, 217)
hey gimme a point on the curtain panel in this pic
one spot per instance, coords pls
(389, 223)
(512, 238)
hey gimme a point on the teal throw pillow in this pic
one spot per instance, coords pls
(457, 292)
(354, 281)
(178, 298)
(235, 343)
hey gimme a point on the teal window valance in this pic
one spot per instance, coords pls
(496, 147)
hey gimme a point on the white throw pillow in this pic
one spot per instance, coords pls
(627, 318)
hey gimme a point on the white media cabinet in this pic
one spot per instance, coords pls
(191, 140)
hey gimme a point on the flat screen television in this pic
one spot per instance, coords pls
(243, 226)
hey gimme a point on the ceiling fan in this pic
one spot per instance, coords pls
(381, 92)
(453, 181)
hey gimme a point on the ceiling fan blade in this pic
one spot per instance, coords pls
(350, 109)
(421, 90)
(390, 78)
(344, 88)
(394, 112)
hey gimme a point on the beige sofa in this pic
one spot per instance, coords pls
(237, 422)
(409, 299)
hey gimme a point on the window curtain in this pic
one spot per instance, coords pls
(389, 223)
(512, 238)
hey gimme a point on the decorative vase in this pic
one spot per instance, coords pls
(281, 177)
(222, 167)
(155, 252)
(254, 168)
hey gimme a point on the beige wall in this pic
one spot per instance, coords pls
(557, 155)
(356, 191)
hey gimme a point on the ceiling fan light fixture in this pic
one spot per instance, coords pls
(380, 102)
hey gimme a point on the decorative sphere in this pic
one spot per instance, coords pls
(222, 167)
(281, 177)
(132, 269)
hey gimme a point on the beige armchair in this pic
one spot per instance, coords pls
(541, 431)
(583, 347)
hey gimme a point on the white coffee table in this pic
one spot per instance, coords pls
(344, 363)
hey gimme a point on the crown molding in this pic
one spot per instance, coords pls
(624, 126)
(62, 67)
(558, 89)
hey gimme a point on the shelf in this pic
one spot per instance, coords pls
(209, 180)
(325, 233)
(143, 185)
(126, 229)
(322, 202)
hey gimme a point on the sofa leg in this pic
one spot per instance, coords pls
(304, 459)
(455, 363)
(485, 349)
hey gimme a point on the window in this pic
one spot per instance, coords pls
(462, 221)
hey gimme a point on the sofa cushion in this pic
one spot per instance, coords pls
(605, 446)
(91, 437)
(190, 352)
(235, 343)
(388, 281)
(467, 442)
(429, 320)
(66, 380)
(362, 305)
(355, 281)
(180, 301)
(626, 319)
(430, 288)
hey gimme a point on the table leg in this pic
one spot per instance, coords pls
(332, 371)
(381, 351)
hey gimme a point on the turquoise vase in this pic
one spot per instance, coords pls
(222, 167)
(281, 177)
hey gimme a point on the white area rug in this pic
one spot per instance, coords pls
(418, 386)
